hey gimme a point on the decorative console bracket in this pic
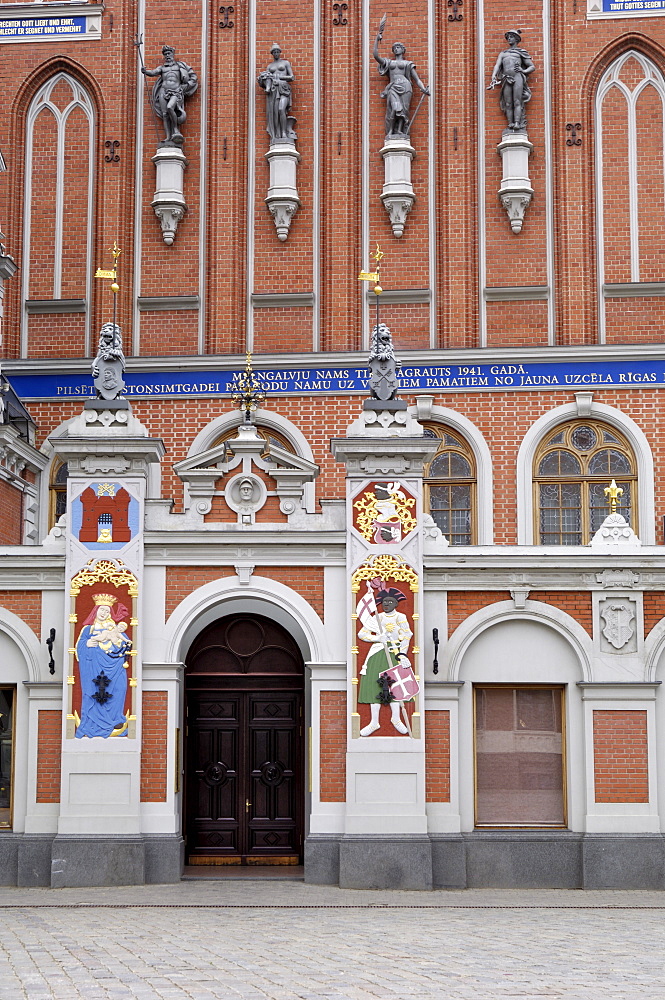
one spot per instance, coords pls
(169, 201)
(398, 195)
(283, 200)
(516, 192)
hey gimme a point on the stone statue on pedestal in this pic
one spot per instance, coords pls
(176, 82)
(402, 75)
(383, 364)
(109, 365)
(276, 81)
(512, 69)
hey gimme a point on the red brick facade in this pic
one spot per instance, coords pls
(621, 762)
(462, 604)
(11, 511)
(26, 604)
(437, 756)
(333, 746)
(49, 744)
(154, 747)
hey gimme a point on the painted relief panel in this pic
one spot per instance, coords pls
(384, 513)
(104, 516)
(104, 522)
(385, 687)
(101, 681)
(385, 571)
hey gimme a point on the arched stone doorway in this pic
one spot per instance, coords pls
(244, 746)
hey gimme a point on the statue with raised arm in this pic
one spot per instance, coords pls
(512, 70)
(176, 81)
(276, 81)
(401, 75)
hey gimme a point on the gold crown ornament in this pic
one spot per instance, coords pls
(107, 599)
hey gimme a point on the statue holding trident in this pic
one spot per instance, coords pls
(176, 81)
(401, 75)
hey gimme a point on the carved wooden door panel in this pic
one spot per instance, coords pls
(274, 790)
(214, 818)
(244, 745)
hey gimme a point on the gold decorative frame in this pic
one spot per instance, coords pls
(115, 573)
(393, 568)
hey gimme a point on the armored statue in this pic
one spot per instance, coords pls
(401, 75)
(109, 365)
(512, 70)
(276, 81)
(176, 81)
(383, 365)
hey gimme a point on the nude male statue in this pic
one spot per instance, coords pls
(176, 82)
(512, 70)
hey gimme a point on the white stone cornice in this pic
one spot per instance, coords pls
(16, 454)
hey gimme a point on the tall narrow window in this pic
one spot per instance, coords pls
(519, 756)
(573, 467)
(58, 211)
(58, 493)
(7, 696)
(630, 183)
(450, 487)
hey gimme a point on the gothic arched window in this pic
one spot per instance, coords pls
(629, 130)
(573, 466)
(58, 210)
(450, 486)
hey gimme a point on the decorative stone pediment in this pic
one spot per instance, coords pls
(246, 454)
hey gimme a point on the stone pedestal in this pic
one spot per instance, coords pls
(169, 201)
(282, 200)
(515, 192)
(398, 195)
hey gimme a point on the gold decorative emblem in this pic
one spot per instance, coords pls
(384, 515)
(387, 567)
(106, 488)
(104, 571)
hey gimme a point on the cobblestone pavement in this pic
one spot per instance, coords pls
(289, 941)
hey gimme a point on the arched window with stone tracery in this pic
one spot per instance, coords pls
(57, 265)
(573, 466)
(629, 131)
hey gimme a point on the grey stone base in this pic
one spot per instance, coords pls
(498, 859)
(60, 862)
(385, 863)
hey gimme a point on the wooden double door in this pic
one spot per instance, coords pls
(244, 744)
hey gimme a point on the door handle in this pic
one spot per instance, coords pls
(247, 805)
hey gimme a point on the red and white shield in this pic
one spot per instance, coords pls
(403, 683)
